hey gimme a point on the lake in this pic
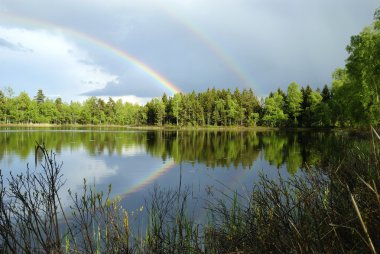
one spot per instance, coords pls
(133, 162)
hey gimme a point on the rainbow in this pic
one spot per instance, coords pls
(231, 64)
(151, 178)
(26, 21)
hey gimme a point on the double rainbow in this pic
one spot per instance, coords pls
(36, 23)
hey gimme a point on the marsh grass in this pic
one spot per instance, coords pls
(32, 219)
(323, 210)
(334, 209)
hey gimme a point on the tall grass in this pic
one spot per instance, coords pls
(331, 209)
(334, 209)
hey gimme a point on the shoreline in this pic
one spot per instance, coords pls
(180, 128)
(150, 127)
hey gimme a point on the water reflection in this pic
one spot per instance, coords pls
(132, 161)
(210, 148)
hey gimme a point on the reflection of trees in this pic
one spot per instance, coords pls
(22, 143)
(323, 149)
(296, 149)
(212, 148)
(293, 158)
(274, 148)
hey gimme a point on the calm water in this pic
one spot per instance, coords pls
(135, 161)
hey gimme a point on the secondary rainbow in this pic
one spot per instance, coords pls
(36, 23)
(227, 60)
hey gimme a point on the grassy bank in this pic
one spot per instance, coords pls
(185, 128)
(334, 208)
(145, 127)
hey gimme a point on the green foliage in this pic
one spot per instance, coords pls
(40, 97)
(23, 110)
(352, 100)
(293, 101)
(321, 210)
(356, 88)
(273, 110)
(155, 112)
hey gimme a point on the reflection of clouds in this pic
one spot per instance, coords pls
(78, 165)
(88, 168)
(133, 151)
(135, 173)
(130, 171)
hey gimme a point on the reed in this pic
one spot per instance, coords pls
(331, 209)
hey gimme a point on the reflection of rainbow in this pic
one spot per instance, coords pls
(150, 179)
(95, 41)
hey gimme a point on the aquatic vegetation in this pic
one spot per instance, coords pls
(332, 206)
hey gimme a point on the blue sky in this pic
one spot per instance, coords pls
(194, 44)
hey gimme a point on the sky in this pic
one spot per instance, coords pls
(139, 49)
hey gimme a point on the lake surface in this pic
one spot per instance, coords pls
(133, 162)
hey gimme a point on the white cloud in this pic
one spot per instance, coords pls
(133, 151)
(53, 63)
(271, 42)
(127, 98)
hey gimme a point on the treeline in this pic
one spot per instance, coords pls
(297, 108)
(23, 109)
(351, 100)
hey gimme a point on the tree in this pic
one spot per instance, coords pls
(355, 89)
(9, 105)
(250, 106)
(155, 112)
(294, 100)
(340, 100)
(22, 113)
(315, 99)
(60, 110)
(219, 112)
(2, 107)
(305, 117)
(110, 111)
(273, 114)
(326, 94)
(177, 106)
(165, 101)
(142, 116)
(207, 101)
(40, 97)
(89, 112)
(128, 112)
(75, 111)
(231, 109)
(48, 112)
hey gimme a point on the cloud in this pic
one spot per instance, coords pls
(128, 98)
(13, 46)
(57, 65)
(271, 42)
(132, 82)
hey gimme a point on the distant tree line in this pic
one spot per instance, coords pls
(351, 100)
(23, 109)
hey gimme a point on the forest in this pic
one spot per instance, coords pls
(351, 100)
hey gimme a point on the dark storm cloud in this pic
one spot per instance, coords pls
(271, 43)
(136, 87)
(12, 46)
